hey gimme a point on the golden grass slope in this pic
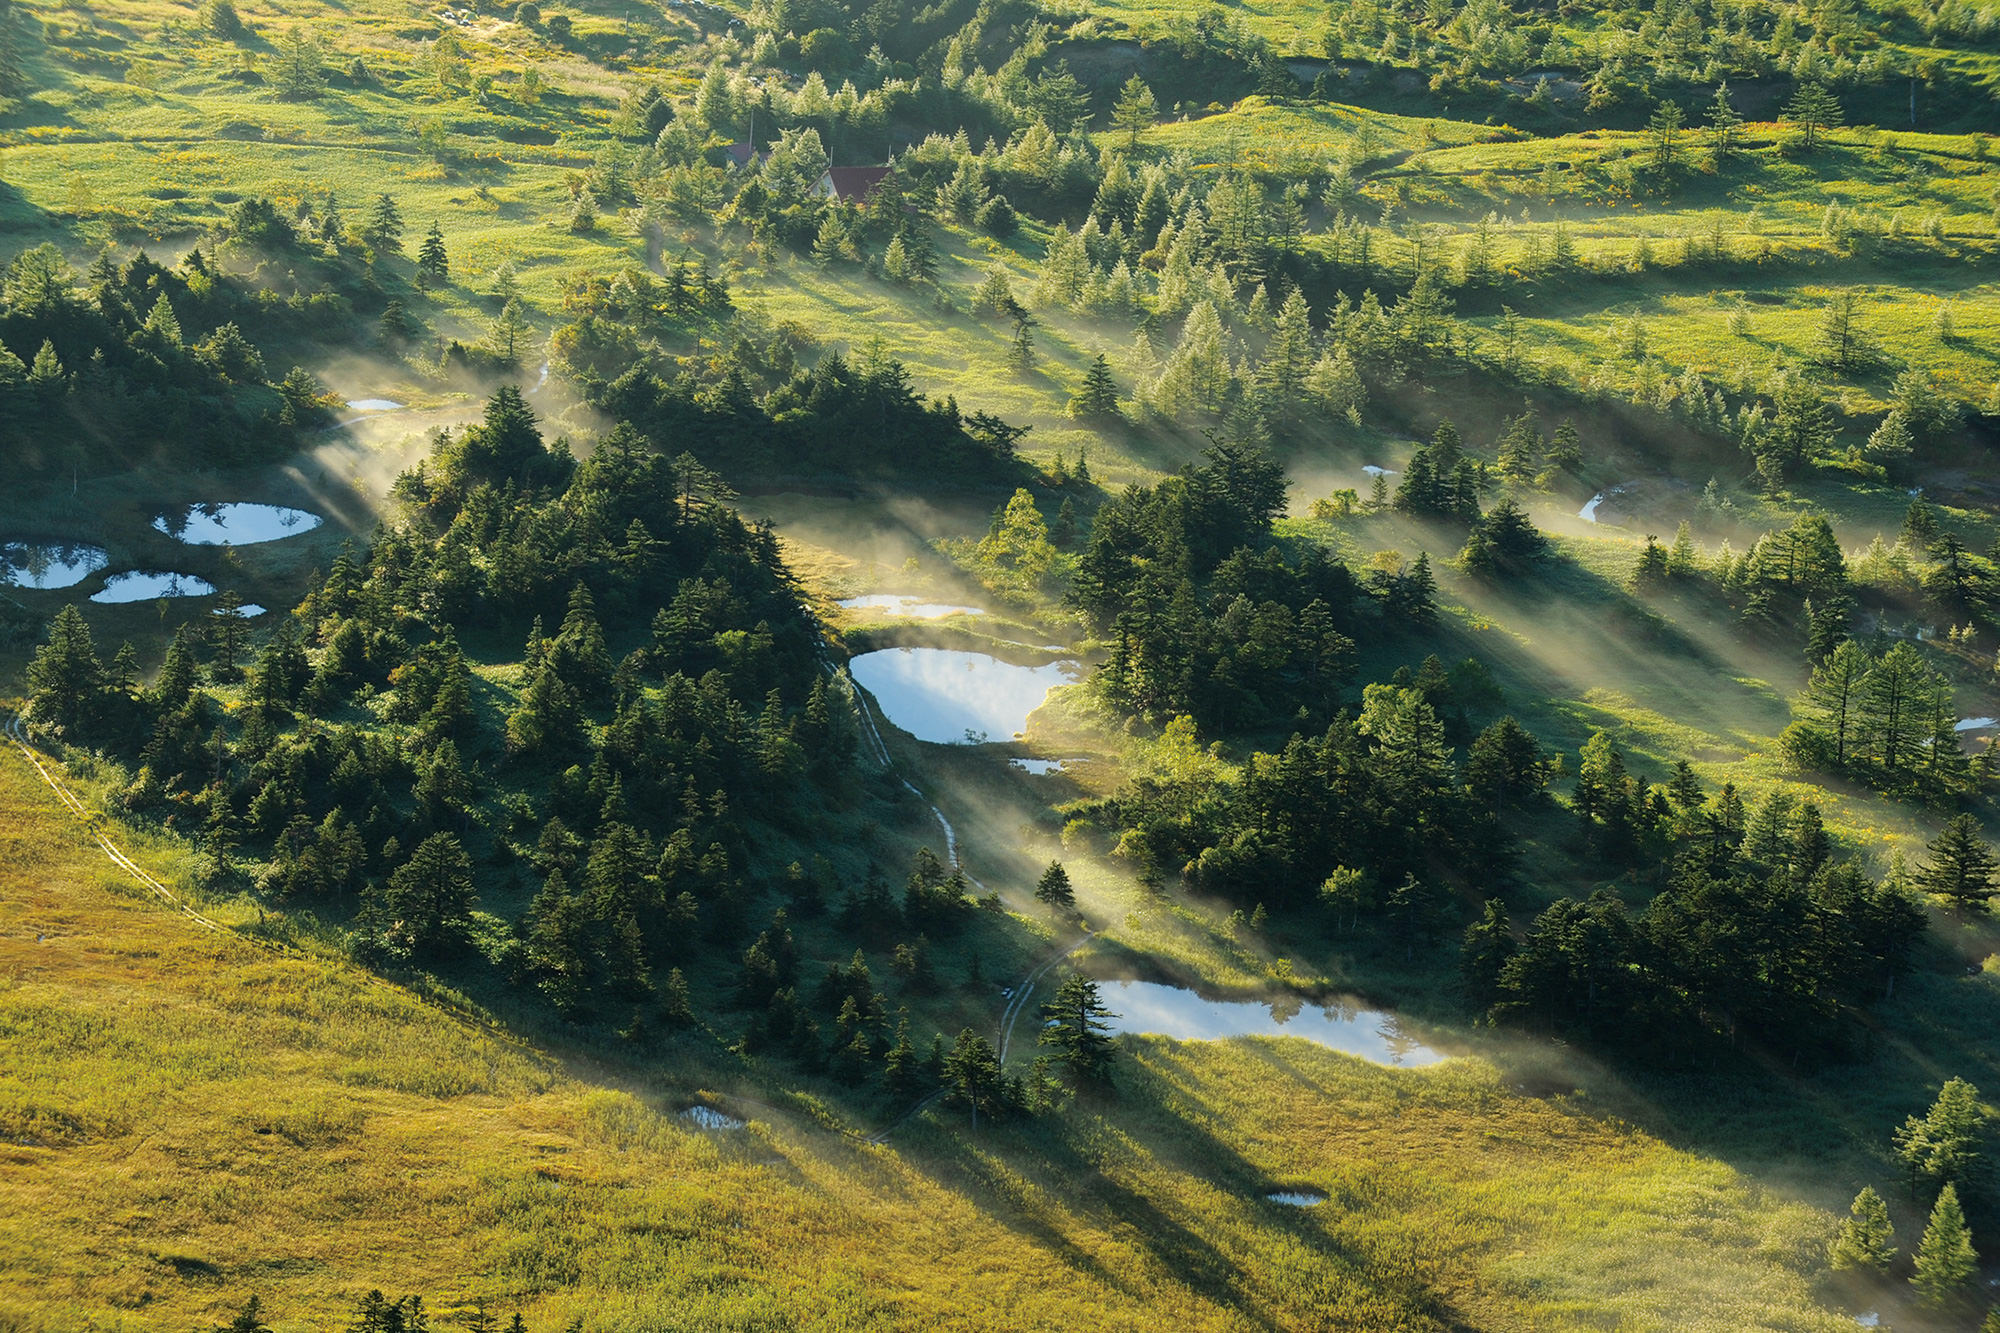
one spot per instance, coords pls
(188, 1120)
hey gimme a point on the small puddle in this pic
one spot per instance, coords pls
(249, 609)
(707, 1117)
(236, 524)
(950, 697)
(1157, 1009)
(1296, 1198)
(908, 608)
(1975, 724)
(1869, 1320)
(49, 564)
(1589, 511)
(375, 404)
(1041, 768)
(143, 585)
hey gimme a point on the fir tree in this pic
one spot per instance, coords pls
(433, 265)
(1945, 1260)
(1866, 1240)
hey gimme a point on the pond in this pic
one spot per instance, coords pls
(1296, 1198)
(707, 1117)
(236, 524)
(1153, 1008)
(49, 564)
(143, 585)
(374, 404)
(949, 697)
(908, 608)
(1041, 768)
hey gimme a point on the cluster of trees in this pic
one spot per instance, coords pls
(1944, 1150)
(843, 418)
(1207, 615)
(138, 363)
(674, 703)
(1884, 718)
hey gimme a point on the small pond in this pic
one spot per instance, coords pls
(250, 609)
(236, 524)
(374, 404)
(1173, 1011)
(707, 1117)
(48, 564)
(143, 585)
(1975, 724)
(909, 608)
(1041, 768)
(1296, 1198)
(951, 697)
(1375, 470)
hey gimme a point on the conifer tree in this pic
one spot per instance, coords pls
(1812, 110)
(1096, 399)
(1076, 1030)
(1945, 1258)
(1866, 1240)
(433, 265)
(1053, 890)
(1961, 866)
(383, 227)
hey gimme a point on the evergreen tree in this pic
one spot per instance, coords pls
(383, 227)
(1943, 1144)
(1075, 1029)
(65, 676)
(300, 73)
(1136, 111)
(1945, 1258)
(1961, 866)
(1725, 126)
(1812, 110)
(433, 265)
(1096, 399)
(426, 905)
(973, 1077)
(1866, 1240)
(1053, 891)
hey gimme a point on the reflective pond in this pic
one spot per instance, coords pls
(951, 697)
(48, 564)
(374, 404)
(909, 608)
(236, 524)
(1174, 1011)
(1296, 1198)
(707, 1117)
(143, 585)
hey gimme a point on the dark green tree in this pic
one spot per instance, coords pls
(1076, 1030)
(433, 265)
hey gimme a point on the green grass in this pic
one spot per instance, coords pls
(189, 1120)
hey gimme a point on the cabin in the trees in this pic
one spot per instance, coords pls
(740, 155)
(849, 185)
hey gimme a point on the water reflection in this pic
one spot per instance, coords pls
(951, 697)
(48, 564)
(236, 524)
(1340, 1024)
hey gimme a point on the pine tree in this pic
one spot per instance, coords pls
(1136, 110)
(383, 227)
(301, 66)
(1021, 352)
(1053, 891)
(1961, 866)
(973, 1077)
(1664, 129)
(1813, 110)
(1076, 1030)
(1946, 1261)
(1725, 127)
(1866, 1240)
(1096, 399)
(65, 676)
(433, 265)
(1943, 1144)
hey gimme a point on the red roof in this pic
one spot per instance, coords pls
(741, 153)
(855, 182)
